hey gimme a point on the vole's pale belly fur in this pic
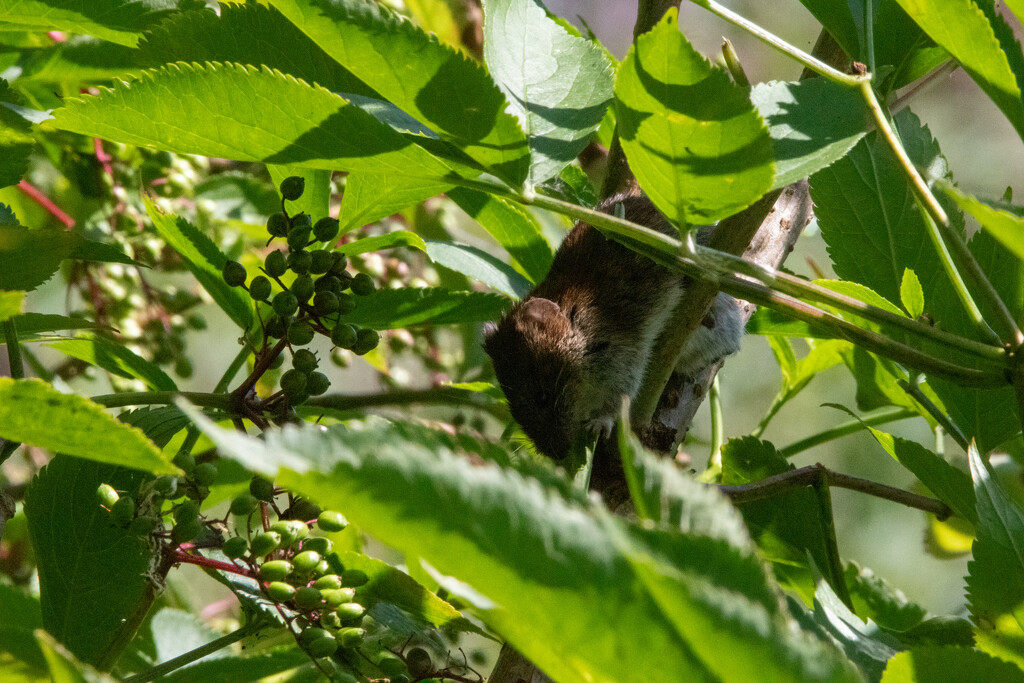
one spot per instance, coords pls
(582, 338)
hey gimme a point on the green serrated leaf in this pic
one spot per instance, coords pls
(874, 598)
(231, 669)
(247, 114)
(93, 576)
(797, 374)
(865, 645)
(949, 665)
(911, 294)
(33, 412)
(372, 196)
(91, 250)
(391, 240)
(117, 359)
(998, 515)
(804, 141)
(435, 84)
(205, 261)
(512, 226)
(558, 84)
(64, 666)
(786, 528)
(478, 265)
(387, 309)
(11, 304)
(251, 34)
(16, 141)
(1005, 222)
(983, 44)
(487, 527)
(34, 323)
(28, 258)
(694, 141)
(77, 60)
(22, 616)
(119, 21)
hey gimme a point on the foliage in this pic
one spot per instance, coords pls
(270, 221)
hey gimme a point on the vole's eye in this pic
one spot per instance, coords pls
(572, 315)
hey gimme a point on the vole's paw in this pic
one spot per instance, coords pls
(602, 426)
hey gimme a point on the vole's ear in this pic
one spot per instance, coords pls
(540, 311)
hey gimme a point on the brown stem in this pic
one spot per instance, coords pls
(817, 473)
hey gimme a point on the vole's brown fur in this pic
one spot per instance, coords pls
(581, 339)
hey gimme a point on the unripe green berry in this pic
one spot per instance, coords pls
(244, 504)
(304, 509)
(259, 288)
(390, 664)
(346, 303)
(234, 273)
(362, 284)
(319, 544)
(141, 526)
(166, 486)
(330, 620)
(299, 261)
(303, 220)
(279, 591)
(306, 560)
(304, 360)
(350, 610)
(317, 383)
(183, 367)
(307, 598)
(265, 543)
(322, 567)
(186, 511)
(122, 511)
(276, 328)
(351, 637)
(320, 261)
(277, 362)
(366, 341)
(292, 187)
(312, 633)
(300, 333)
(340, 263)
(235, 547)
(196, 322)
(285, 304)
(328, 582)
(326, 229)
(322, 647)
(302, 288)
(327, 283)
(418, 661)
(325, 303)
(344, 335)
(275, 570)
(331, 521)
(289, 529)
(107, 495)
(262, 489)
(186, 531)
(275, 264)
(205, 473)
(337, 596)
(354, 578)
(293, 382)
(277, 225)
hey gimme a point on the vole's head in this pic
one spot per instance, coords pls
(538, 354)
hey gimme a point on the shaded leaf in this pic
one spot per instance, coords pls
(247, 114)
(93, 576)
(119, 21)
(557, 83)
(805, 141)
(387, 309)
(949, 665)
(205, 261)
(28, 258)
(372, 196)
(34, 323)
(10, 305)
(1005, 222)
(22, 616)
(16, 142)
(694, 141)
(117, 359)
(478, 265)
(391, 240)
(77, 60)
(316, 198)
(435, 84)
(33, 412)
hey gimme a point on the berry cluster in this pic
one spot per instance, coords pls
(315, 301)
